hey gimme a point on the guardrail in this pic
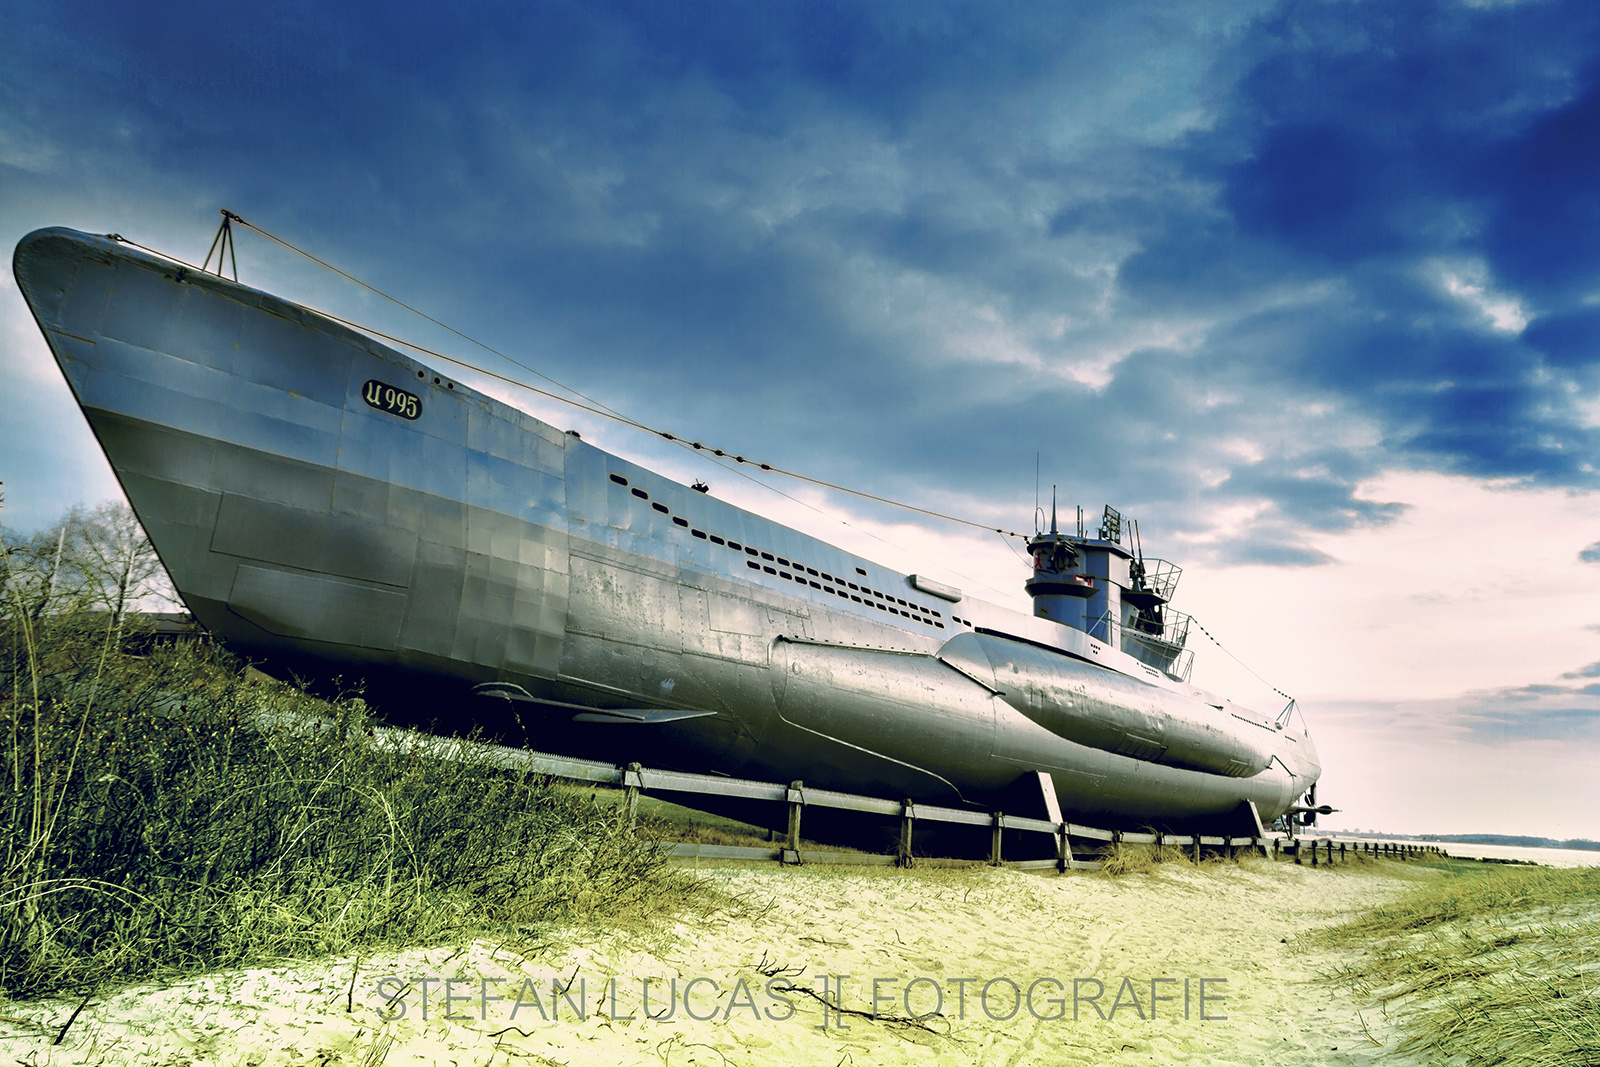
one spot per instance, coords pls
(796, 797)
(1394, 850)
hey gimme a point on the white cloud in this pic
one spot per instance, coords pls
(1468, 283)
(1478, 585)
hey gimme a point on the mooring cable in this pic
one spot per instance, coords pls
(593, 406)
(596, 407)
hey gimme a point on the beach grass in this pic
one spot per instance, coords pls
(1491, 964)
(167, 815)
(1123, 858)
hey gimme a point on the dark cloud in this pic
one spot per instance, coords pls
(1568, 339)
(1533, 712)
(1196, 256)
(1591, 671)
(1539, 711)
(1396, 157)
(1545, 222)
(1564, 724)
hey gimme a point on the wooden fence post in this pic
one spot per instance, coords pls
(908, 812)
(797, 798)
(630, 795)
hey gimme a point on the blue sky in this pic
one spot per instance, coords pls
(1310, 288)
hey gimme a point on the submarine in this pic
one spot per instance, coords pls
(327, 504)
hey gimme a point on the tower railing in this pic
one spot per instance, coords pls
(1164, 650)
(1161, 577)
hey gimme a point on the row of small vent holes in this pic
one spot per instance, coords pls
(882, 603)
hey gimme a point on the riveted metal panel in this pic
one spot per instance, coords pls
(346, 545)
(318, 608)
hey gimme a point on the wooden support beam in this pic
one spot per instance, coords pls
(633, 781)
(908, 814)
(1052, 812)
(797, 798)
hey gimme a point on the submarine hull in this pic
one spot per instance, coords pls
(324, 502)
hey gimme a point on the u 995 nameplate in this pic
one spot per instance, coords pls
(392, 400)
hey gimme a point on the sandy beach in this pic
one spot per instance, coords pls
(974, 966)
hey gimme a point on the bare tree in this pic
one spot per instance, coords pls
(96, 560)
(117, 566)
(40, 578)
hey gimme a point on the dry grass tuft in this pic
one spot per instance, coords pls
(1123, 859)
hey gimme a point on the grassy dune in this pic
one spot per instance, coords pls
(1494, 964)
(167, 816)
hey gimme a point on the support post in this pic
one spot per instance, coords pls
(1052, 813)
(634, 781)
(908, 813)
(797, 798)
(994, 839)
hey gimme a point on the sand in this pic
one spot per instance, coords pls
(980, 966)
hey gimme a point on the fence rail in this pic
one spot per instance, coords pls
(636, 780)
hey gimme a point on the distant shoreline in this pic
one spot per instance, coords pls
(1518, 841)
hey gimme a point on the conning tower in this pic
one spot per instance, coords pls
(1109, 591)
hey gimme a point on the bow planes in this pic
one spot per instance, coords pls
(331, 506)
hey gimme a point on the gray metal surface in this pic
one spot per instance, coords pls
(323, 501)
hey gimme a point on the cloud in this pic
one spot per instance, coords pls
(1534, 712)
(1388, 151)
(1229, 256)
